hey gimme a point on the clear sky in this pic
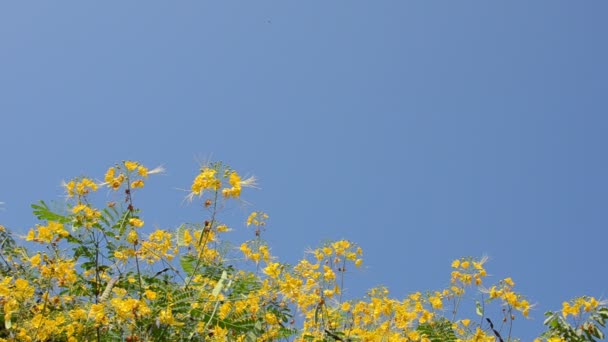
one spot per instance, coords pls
(423, 130)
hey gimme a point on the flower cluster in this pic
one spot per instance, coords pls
(52, 232)
(80, 187)
(578, 305)
(208, 180)
(504, 291)
(132, 172)
(100, 273)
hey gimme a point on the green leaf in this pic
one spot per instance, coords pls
(220, 284)
(187, 262)
(121, 225)
(179, 235)
(244, 285)
(550, 317)
(105, 217)
(478, 308)
(317, 310)
(251, 336)
(87, 265)
(258, 325)
(43, 212)
(438, 331)
(285, 333)
(82, 250)
(599, 334)
(182, 300)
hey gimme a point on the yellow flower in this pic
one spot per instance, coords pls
(31, 235)
(57, 228)
(135, 222)
(413, 335)
(166, 317)
(457, 290)
(265, 253)
(151, 295)
(425, 317)
(510, 297)
(142, 171)
(35, 260)
(245, 249)
(120, 255)
(77, 314)
(341, 246)
(273, 270)
(45, 234)
(225, 310)
(509, 282)
(435, 301)
(591, 304)
(116, 182)
(255, 257)
(223, 228)
(351, 256)
(251, 218)
(555, 339)
(479, 264)
(131, 165)
(231, 192)
(524, 306)
(494, 293)
(97, 313)
(187, 237)
(137, 184)
(234, 179)
(83, 187)
(23, 289)
(78, 208)
(271, 318)
(328, 273)
(205, 180)
(257, 218)
(132, 237)
(109, 175)
(69, 187)
(567, 309)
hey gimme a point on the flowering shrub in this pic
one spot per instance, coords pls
(92, 274)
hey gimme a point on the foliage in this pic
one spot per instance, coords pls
(90, 273)
(588, 320)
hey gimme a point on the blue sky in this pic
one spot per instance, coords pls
(423, 130)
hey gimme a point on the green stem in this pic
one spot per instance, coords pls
(202, 241)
